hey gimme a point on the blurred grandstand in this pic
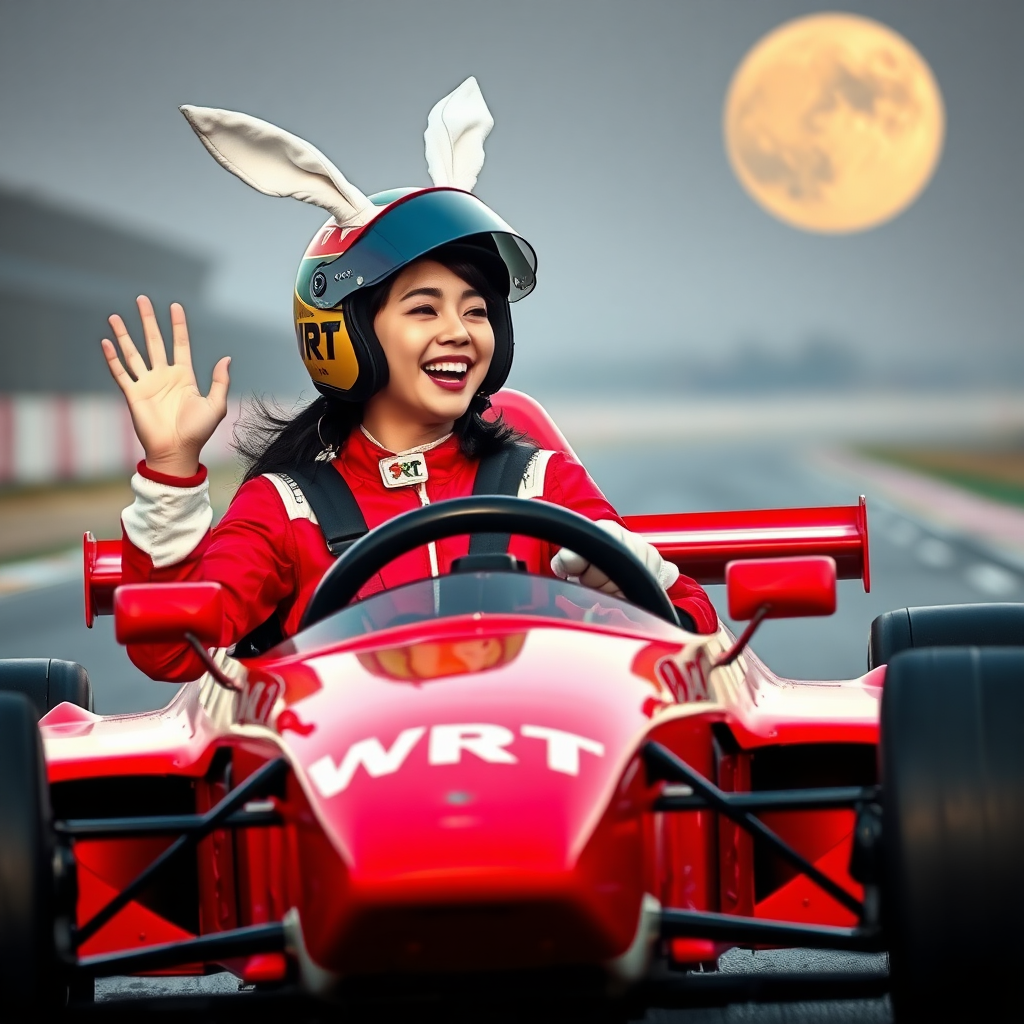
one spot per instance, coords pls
(62, 273)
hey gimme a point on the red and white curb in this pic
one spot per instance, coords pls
(52, 437)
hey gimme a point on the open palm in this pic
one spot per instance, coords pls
(172, 418)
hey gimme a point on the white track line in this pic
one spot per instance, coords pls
(35, 573)
(902, 533)
(991, 579)
(935, 553)
(983, 524)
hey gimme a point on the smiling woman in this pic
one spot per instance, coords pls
(434, 323)
(403, 322)
(438, 323)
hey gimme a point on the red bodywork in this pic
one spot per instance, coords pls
(466, 793)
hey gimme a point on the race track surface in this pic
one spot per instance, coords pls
(912, 563)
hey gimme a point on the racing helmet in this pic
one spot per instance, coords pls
(333, 328)
(369, 238)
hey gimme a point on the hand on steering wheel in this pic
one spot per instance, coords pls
(567, 564)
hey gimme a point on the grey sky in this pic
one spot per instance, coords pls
(607, 155)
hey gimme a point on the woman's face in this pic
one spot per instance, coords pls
(438, 343)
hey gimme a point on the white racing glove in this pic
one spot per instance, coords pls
(568, 565)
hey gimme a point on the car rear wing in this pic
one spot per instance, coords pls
(700, 543)
(703, 543)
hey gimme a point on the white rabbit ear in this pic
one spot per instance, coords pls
(277, 163)
(456, 129)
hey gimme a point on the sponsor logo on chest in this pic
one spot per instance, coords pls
(403, 470)
(446, 745)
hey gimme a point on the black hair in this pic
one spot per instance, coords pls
(269, 440)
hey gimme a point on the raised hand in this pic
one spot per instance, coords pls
(172, 419)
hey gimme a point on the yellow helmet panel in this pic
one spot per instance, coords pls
(325, 346)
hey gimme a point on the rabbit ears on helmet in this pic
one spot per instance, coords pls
(456, 129)
(277, 163)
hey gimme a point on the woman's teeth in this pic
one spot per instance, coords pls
(458, 369)
(451, 375)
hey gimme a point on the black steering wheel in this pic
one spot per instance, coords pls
(485, 514)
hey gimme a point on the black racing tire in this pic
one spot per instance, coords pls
(951, 625)
(28, 974)
(952, 759)
(47, 682)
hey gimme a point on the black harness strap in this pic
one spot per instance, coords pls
(342, 523)
(332, 502)
(337, 512)
(500, 473)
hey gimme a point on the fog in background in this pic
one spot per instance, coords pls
(656, 269)
(659, 277)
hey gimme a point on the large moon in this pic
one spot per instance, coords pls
(834, 123)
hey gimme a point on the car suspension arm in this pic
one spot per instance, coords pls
(665, 765)
(756, 931)
(255, 785)
(238, 942)
(817, 799)
(161, 824)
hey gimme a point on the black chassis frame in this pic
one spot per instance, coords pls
(669, 989)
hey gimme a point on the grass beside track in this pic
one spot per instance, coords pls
(42, 520)
(996, 473)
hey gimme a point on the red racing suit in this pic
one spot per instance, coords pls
(268, 551)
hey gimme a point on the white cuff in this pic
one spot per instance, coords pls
(167, 522)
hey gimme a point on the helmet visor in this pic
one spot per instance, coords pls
(409, 229)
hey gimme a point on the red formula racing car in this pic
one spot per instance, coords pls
(499, 786)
